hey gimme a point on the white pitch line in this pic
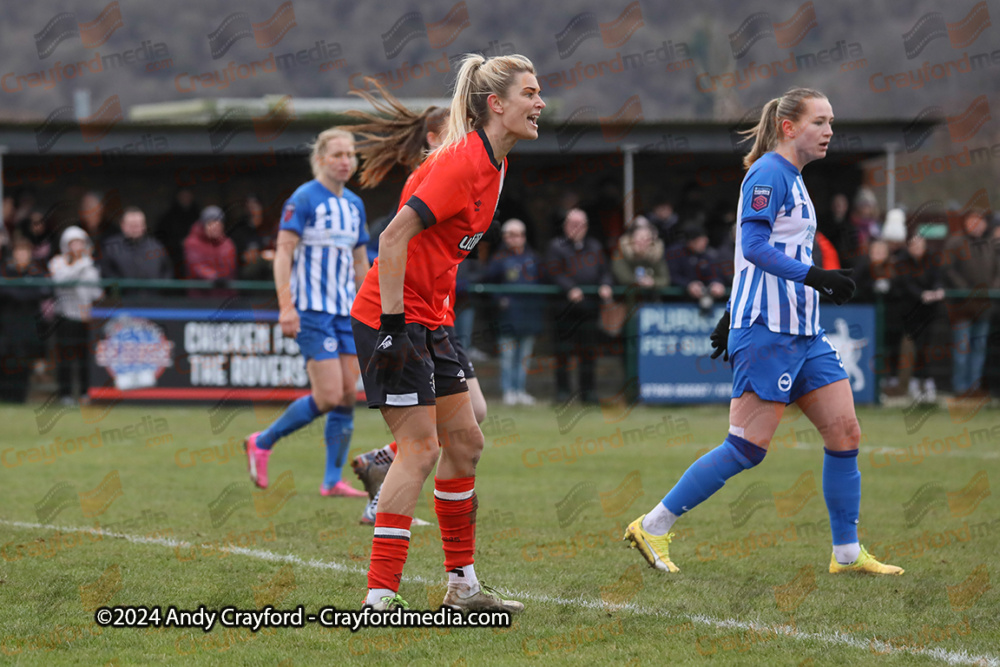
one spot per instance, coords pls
(835, 638)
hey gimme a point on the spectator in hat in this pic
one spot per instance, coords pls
(664, 219)
(73, 304)
(696, 267)
(208, 253)
(894, 230)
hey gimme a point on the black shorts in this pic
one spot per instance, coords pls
(463, 358)
(437, 372)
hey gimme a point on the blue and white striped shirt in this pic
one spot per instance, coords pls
(773, 191)
(329, 228)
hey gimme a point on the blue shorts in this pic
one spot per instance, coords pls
(324, 336)
(782, 367)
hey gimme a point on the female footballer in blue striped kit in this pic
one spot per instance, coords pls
(780, 354)
(321, 254)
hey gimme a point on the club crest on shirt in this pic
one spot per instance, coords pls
(760, 197)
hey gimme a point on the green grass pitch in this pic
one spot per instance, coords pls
(186, 529)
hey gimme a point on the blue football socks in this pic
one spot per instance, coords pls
(337, 434)
(709, 473)
(300, 413)
(842, 492)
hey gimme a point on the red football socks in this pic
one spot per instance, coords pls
(455, 503)
(389, 548)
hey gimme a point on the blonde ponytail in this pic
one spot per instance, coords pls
(477, 79)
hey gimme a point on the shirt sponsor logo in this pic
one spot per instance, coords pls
(331, 238)
(469, 242)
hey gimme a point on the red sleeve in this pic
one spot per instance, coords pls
(830, 259)
(412, 181)
(445, 192)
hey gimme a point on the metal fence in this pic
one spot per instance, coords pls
(482, 296)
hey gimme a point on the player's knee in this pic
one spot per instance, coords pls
(419, 454)
(348, 399)
(476, 442)
(750, 454)
(468, 439)
(328, 399)
(844, 435)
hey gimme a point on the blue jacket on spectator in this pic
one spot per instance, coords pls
(520, 314)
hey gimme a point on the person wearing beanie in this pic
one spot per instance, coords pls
(894, 230)
(695, 266)
(208, 253)
(73, 304)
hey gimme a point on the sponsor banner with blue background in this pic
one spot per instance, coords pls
(674, 355)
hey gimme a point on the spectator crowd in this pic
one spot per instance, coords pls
(894, 258)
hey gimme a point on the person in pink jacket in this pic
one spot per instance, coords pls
(208, 253)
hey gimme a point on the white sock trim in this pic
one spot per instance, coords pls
(375, 595)
(845, 554)
(383, 531)
(659, 521)
(448, 495)
(464, 576)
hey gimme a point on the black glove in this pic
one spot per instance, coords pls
(392, 350)
(720, 337)
(836, 284)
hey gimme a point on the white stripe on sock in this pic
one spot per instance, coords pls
(448, 495)
(382, 531)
